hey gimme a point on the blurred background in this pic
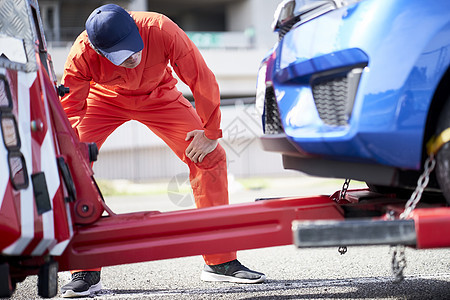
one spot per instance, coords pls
(232, 35)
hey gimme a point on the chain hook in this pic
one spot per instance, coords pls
(342, 250)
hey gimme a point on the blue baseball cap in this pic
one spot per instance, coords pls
(113, 32)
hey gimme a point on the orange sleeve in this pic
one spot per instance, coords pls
(191, 68)
(77, 78)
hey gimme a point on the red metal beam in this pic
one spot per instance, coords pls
(146, 236)
(432, 227)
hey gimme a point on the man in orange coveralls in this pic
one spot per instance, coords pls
(117, 71)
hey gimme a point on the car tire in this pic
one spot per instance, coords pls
(443, 155)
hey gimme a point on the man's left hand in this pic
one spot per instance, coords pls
(200, 145)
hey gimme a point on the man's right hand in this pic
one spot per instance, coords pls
(200, 145)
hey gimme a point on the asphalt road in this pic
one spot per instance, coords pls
(320, 273)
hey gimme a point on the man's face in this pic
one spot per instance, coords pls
(133, 61)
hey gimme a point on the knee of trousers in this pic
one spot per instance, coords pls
(209, 179)
(216, 158)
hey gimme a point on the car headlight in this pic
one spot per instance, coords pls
(284, 12)
(292, 11)
(261, 89)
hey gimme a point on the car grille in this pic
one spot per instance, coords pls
(331, 99)
(272, 122)
(334, 94)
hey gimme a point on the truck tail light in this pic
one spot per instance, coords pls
(9, 132)
(17, 170)
(11, 138)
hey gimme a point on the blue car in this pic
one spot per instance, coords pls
(356, 89)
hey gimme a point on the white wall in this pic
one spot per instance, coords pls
(235, 70)
(137, 5)
(256, 15)
(134, 152)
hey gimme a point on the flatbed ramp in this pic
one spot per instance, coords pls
(146, 236)
(315, 221)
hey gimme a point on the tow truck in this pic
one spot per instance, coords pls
(53, 216)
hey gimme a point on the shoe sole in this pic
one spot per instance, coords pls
(208, 276)
(72, 294)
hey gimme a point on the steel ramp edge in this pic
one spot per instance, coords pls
(425, 228)
(146, 236)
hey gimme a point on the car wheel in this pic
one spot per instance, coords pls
(443, 155)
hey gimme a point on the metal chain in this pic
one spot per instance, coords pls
(422, 183)
(398, 262)
(398, 252)
(343, 249)
(344, 189)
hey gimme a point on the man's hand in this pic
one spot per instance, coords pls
(200, 145)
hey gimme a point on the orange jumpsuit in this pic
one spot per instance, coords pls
(104, 96)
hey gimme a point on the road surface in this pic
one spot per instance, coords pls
(320, 273)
